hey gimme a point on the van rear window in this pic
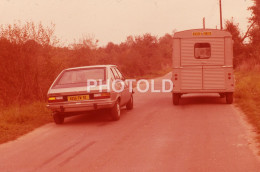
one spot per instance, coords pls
(202, 50)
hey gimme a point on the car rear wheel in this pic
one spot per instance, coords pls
(229, 98)
(176, 98)
(130, 103)
(116, 111)
(58, 118)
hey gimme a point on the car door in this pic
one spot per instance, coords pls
(125, 93)
(118, 85)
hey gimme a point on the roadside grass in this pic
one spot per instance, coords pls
(247, 96)
(19, 120)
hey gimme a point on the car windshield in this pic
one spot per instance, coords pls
(81, 76)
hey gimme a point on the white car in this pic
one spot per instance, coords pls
(73, 92)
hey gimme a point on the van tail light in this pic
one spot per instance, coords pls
(55, 99)
(101, 95)
(229, 75)
(175, 77)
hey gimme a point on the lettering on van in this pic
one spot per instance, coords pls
(201, 33)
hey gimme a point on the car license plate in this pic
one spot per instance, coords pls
(80, 97)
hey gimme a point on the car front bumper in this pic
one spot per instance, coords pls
(79, 106)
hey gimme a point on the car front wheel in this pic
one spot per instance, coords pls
(116, 111)
(130, 103)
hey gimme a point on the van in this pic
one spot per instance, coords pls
(202, 63)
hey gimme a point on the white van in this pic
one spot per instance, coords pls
(203, 63)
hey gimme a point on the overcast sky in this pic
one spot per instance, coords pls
(114, 20)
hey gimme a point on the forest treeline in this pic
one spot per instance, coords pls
(247, 44)
(31, 58)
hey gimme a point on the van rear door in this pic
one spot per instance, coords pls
(213, 77)
(201, 63)
(191, 78)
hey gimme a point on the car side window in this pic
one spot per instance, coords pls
(115, 73)
(120, 74)
(112, 74)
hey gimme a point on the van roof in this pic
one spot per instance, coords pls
(202, 33)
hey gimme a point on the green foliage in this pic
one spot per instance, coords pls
(255, 12)
(247, 52)
(31, 59)
(254, 33)
(238, 46)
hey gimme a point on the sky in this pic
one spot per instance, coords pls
(114, 20)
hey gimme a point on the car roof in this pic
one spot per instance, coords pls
(92, 66)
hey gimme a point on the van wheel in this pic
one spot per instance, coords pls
(175, 98)
(222, 95)
(229, 98)
(58, 118)
(116, 111)
(130, 103)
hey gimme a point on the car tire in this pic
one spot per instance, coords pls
(130, 103)
(176, 98)
(116, 111)
(58, 118)
(229, 98)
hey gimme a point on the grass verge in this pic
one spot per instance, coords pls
(19, 120)
(247, 96)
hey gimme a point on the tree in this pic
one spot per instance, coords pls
(238, 45)
(255, 12)
(26, 61)
(254, 33)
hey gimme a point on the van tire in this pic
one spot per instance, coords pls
(229, 98)
(58, 118)
(115, 111)
(130, 104)
(222, 95)
(176, 98)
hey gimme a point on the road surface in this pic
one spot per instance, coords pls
(201, 134)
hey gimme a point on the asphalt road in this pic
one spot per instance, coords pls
(201, 134)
